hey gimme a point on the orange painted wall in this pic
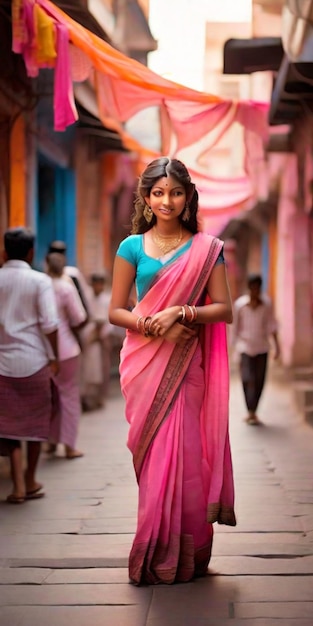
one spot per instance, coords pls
(17, 204)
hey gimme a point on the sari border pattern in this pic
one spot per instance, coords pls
(221, 514)
(190, 562)
(177, 366)
(203, 276)
(163, 400)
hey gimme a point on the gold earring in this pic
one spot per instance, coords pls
(186, 214)
(147, 213)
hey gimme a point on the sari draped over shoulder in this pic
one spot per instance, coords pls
(177, 407)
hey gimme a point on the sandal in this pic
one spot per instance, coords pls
(73, 454)
(13, 499)
(35, 494)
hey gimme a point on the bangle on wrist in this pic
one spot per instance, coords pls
(143, 325)
(183, 314)
(193, 313)
(146, 325)
(189, 314)
(139, 323)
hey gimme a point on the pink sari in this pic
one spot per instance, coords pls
(177, 407)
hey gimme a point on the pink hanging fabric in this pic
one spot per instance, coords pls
(81, 66)
(29, 45)
(19, 29)
(65, 112)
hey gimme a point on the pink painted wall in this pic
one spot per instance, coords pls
(285, 255)
(293, 280)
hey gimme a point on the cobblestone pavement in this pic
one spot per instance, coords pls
(64, 558)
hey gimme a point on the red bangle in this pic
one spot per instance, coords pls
(143, 325)
(190, 314)
(146, 325)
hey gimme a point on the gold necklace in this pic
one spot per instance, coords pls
(166, 244)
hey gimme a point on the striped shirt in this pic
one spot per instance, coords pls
(27, 313)
(252, 327)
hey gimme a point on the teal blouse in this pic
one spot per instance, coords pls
(132, 250)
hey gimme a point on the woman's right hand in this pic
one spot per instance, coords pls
(178, 333)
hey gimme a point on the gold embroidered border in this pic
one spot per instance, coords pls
(177, 366)
(161, 405)
(221, 514)
(150, 562)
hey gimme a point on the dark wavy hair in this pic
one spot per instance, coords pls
(159, 168)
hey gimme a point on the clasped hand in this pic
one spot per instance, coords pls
(165, 324)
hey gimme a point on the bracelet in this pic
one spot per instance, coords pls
(138, 323)
(143, 325)
(146, 325)
(189, 314)
(194, 313)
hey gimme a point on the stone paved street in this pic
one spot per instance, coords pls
(63, 559)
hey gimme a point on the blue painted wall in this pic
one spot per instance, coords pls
(55, 210)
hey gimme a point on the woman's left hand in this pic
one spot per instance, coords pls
(163, 320)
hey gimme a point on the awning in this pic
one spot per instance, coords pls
(101, 139)
(292, 91)
(244, 56)
(292, 84)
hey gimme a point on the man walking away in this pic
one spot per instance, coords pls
(73, 272)
(28, 333)
(254, 325)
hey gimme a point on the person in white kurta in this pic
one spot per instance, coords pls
(96, 338)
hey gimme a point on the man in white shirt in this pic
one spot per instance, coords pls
(254, 325)
(28, 345)
(73, 272)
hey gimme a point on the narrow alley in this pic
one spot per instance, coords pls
(64, 558)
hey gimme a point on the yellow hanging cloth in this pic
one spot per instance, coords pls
(46, 48)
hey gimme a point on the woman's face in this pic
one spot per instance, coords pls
(167, 198)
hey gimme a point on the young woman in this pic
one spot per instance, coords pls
(174, 376)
